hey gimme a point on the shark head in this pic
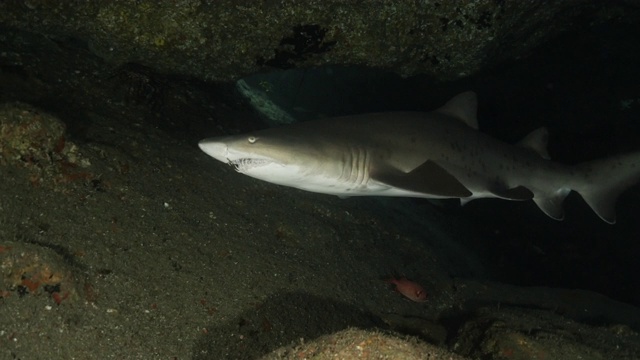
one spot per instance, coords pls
(279, 158)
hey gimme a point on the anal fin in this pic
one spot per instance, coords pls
(551, 204)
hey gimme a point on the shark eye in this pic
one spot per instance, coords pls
(252, 139)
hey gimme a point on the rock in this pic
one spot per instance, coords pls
(35, 140)
(518, 333)
(28, 134)
(225, 40)
(39, 269)
(362, 344)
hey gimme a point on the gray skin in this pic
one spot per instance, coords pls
(438, 154)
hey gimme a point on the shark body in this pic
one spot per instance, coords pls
(439, 154)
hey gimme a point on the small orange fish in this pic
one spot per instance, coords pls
(409, 289)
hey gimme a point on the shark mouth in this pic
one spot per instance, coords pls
(244, 164)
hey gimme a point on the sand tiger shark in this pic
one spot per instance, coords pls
(439, 154)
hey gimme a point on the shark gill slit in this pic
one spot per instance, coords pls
(355, 167)
(363, 166)
(346, 167)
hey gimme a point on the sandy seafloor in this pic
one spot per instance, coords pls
(155, 251)
(132, 244)
(120, 239)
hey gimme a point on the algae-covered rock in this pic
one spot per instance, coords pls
(225, 40)
(28, 135)
(38, 269)
(517, 333)
(35, 140)
(363, 344)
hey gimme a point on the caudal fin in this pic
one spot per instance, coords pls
(600, 182)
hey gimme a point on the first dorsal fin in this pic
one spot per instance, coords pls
(463, 107)
(537, 141)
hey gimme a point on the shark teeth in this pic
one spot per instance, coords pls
(244, 164)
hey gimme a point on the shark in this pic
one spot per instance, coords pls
(435, 155)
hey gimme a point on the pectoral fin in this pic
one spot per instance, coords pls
(428, 178)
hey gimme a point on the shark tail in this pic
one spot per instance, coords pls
(600, 182)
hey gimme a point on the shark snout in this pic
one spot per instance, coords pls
(215, 148)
